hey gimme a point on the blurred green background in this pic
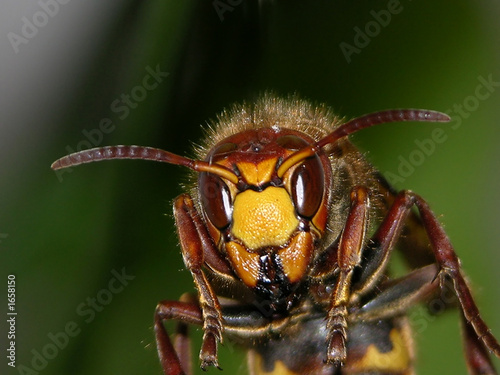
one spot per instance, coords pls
(63, 239)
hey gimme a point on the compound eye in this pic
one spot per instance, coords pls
(308, 184)
(215, 199)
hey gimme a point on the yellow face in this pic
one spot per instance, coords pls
(262, 219)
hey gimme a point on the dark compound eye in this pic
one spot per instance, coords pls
(308, 184)
(215, 199)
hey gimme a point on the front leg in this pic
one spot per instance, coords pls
(196, 246)
(348, 257)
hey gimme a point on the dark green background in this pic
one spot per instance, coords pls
(64, 238)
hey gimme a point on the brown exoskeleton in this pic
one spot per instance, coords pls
(276, 234)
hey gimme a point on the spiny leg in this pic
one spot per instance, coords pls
(349, 255)
(194, 243)
(476, 354)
